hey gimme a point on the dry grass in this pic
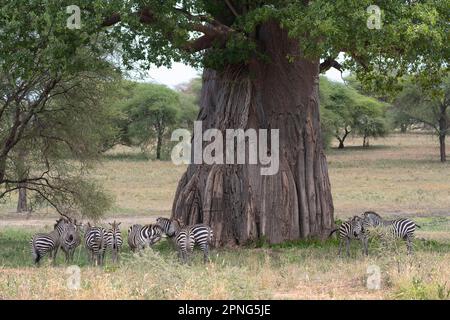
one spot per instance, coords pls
(306, 273)
(399, 175)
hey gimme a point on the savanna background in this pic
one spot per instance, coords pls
(396, 176)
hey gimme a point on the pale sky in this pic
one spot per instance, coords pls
(180, 73)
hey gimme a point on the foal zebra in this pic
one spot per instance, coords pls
(399, 228)
(43, 243)
(95, 241)
(352, 229)
(186, 237)
(114, 240)
(141, 236)
(70, 240)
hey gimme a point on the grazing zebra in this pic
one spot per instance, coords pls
(352, 229)
(169, 226)
(114, 240)
(201, 233)
(71, 239)
(43, 243)
(95, 241)
(400, 228)
(141, 236)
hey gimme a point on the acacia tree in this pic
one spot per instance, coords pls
(419, 106)
(152, 112)
(53, 119)
(262, 61)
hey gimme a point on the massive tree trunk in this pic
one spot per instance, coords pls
(239, 203)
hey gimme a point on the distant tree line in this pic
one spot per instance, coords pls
(147, 113)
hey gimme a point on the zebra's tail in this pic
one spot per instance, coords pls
(418, 226)
(333, 231)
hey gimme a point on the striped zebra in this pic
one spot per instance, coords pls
(95, 242)
(186, 237)
(141, 236)
(169, 226)
(352, 229)
(71, 239)
(401, 228)
(43, 243)
(114, 240)
(185, 242)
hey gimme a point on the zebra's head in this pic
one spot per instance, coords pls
(357, 226)
(115, 225)
(371, 219)
(175, 225)
(70, 231)
(169, 226)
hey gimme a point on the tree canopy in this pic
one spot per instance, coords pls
(346, 111)
(412, 37)
(415, 105)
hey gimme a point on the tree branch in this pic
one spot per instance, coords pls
(212, 29)
(330, 63)
(231, 7)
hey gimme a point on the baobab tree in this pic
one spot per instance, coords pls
(262, 61)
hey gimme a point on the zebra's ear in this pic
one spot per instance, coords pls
(119, 223)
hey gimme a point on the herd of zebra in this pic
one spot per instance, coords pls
(359, 228)
(97, 240)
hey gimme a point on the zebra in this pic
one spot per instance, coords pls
(199, 234)
(185, 242)
(141, 236)
(352, 229)
(43, 243)
(114, 240)
(169, 226)
(95, 241)
(402, 228)
(71, 240)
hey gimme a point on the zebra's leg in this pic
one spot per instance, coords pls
(341, 241)
(347, 246)
(364, 241)
(55, 254)
(409, 244)
(102, 258)
(205, 250)
(92, 257)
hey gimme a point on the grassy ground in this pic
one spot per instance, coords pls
(397, 176)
